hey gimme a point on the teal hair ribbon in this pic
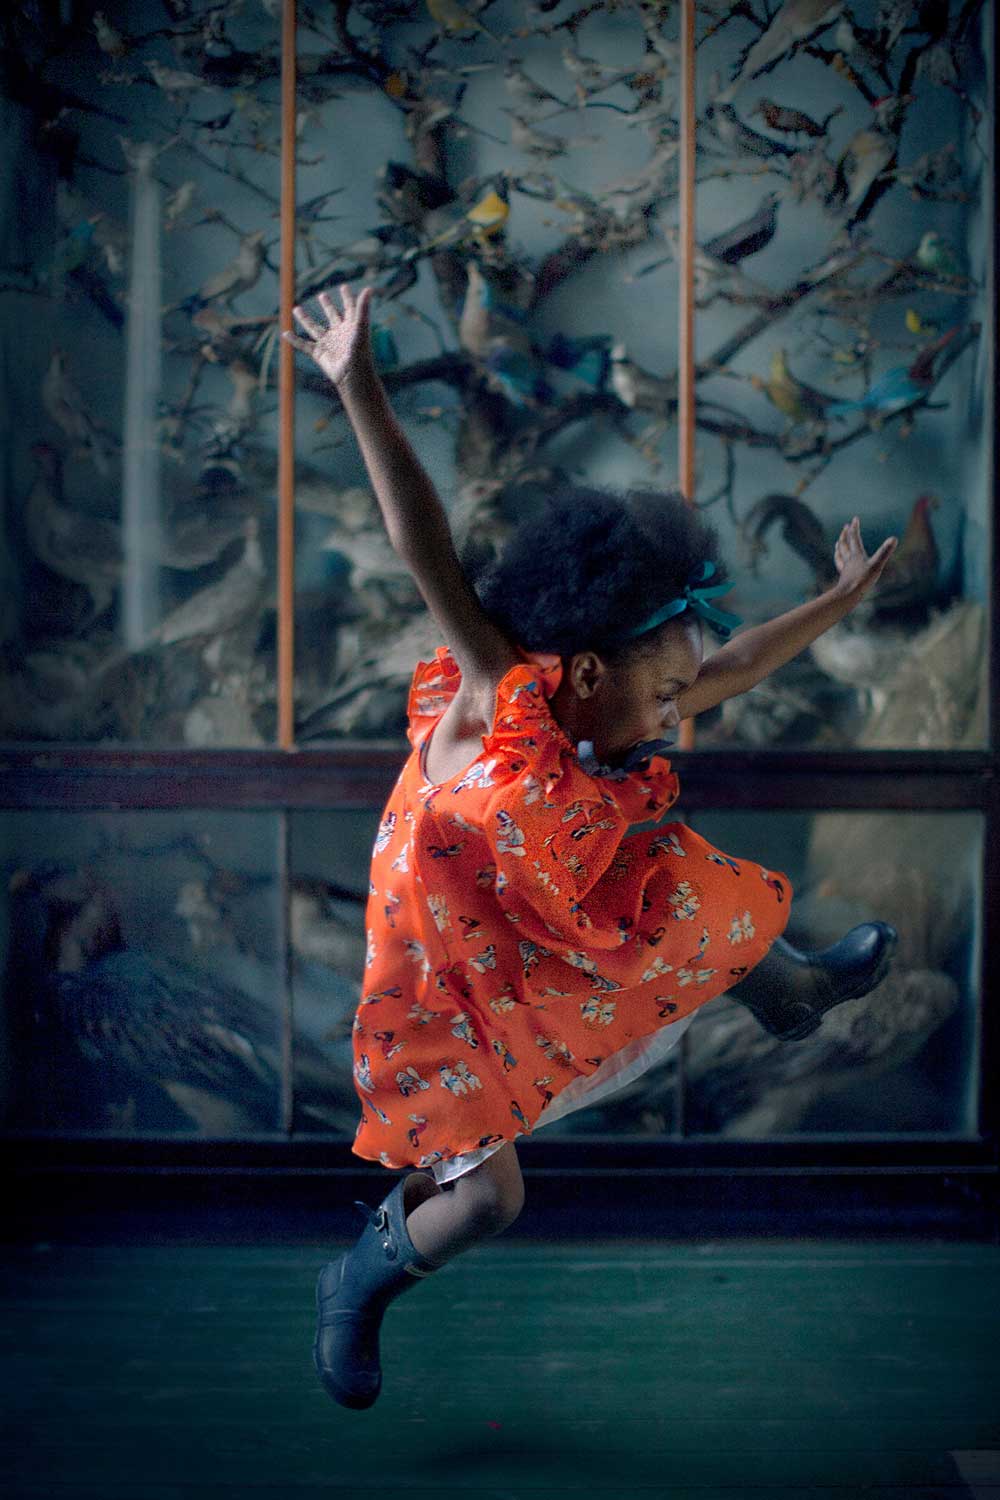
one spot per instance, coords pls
(696, 596)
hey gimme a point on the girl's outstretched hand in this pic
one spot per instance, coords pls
(857, 570)
(343, 349)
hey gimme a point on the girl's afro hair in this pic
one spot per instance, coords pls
(594, 564)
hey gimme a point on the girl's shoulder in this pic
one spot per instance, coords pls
(520, 695)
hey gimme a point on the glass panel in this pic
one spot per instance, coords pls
(140, 194)
(902, 1059)
(143, 978)
(862, 199)
(330, 858)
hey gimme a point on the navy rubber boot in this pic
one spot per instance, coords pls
(353, 1293)
(789, 992)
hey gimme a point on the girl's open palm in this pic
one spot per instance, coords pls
(857, 570)
(343, 349)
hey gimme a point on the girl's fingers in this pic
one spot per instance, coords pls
(347, 296)
(328, 305)
(299, 344)
(307, 322)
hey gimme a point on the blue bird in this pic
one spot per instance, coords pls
(589, 359)
(898, 388)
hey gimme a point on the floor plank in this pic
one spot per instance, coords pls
(616, 1368)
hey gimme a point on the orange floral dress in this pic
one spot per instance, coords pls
(524, 953)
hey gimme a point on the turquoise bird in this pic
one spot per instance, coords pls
(935, 254)
(384, 347)
(587, 358)
(900, 387)
(517, 373)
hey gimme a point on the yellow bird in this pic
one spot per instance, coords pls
(489, 214)
(916, 325)
(798, 401)
(453, 17)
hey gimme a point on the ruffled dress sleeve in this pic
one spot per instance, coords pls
(555, 827)
(432, 688)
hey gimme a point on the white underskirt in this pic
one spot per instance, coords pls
(614, 1073)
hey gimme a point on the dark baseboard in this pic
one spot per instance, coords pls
(91, 1206)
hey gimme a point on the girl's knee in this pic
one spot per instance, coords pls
(493, 1199)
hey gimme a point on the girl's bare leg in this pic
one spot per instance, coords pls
(473, 1207)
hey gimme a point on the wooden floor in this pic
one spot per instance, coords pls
(616, 1369)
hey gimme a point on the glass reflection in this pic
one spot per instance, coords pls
(142, 979)
(903, 1058)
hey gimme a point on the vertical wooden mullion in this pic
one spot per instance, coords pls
(685, 385)
(685, 309)
(286, 389)
(286, 544)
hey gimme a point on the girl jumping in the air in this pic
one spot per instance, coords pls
(526, 955)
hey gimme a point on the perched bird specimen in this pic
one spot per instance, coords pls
(589, 359)
(798, 401)
(715, 278)
(65, 405)
(749, 236)
(935, 254)
(910, 577)
(637, 388)
(493, 331)
(242, 273)
(528, 96)
(106, 1034)
(738, 136)
(454, 19)
(801, 528)
(867, 155)
(83, 548)
(900, 387)
(791, 121)
(908, 580)
(793, 23)
(175, 82)
(220, 606)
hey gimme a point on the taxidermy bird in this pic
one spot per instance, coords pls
(103, 1034)
(637, 388)
(589, 359)
(218, 607)
(749, 235)
(909, 579)
(738, 136)
(175, 82)
(865, 158)
(900, 387)
(791, 121)
(935, 254)
(454, 19)
(798, 401)
(83, 548)
(242, 273)
(528, 95)
(714, 278)
(792, 24)
(801, 528)
(65, 405)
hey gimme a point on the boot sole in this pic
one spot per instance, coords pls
(864, 987)
(344, 1397)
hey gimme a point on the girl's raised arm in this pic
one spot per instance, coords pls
(415, 520)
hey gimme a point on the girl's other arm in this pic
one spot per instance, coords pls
(757, 652)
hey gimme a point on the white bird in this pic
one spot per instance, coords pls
(65, 405)
(793, 23)
(175, 82)
(86, 549)
(637, 388)
(238, 276)
(232, 599)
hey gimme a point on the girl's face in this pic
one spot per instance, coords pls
(618, 707)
